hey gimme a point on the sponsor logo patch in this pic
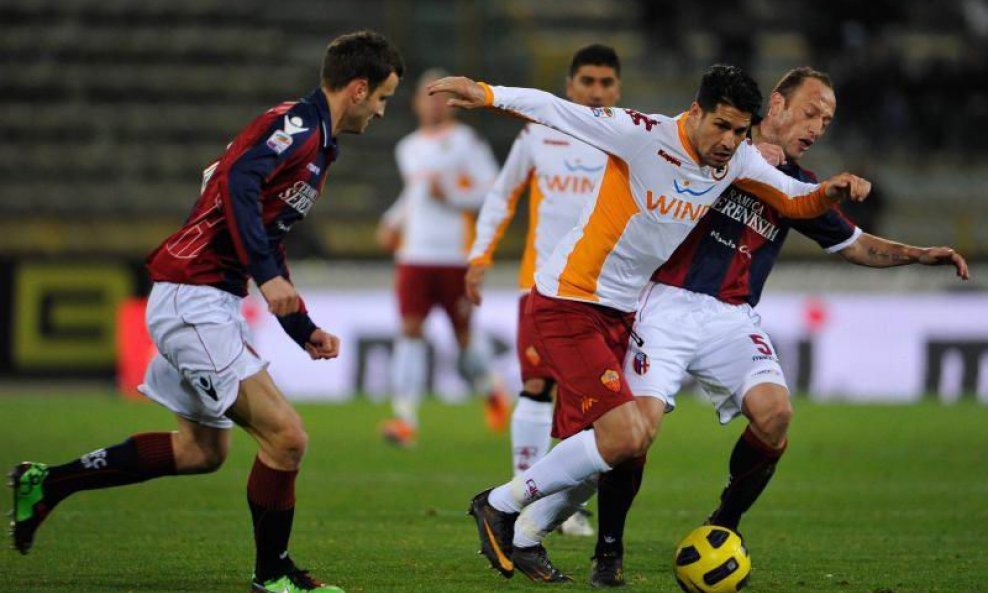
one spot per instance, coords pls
(662, 153)
(315, 170)
(279, 141)
(611, 380)
(605, 112)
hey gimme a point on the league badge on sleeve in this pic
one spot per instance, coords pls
(605, 112)
(279, 141)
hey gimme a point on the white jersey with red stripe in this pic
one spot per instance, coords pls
(653, 191)
(438, 231)
(561, 176)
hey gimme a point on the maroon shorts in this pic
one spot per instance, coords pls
(583, 346)
(420, 288)
(532, 366)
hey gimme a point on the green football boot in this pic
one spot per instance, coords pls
(294, 581)
(30, 509)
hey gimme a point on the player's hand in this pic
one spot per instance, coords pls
(945, 256)
(465, 93)
(847, 187)
(772, 153)
(474, 281)
(280, 295)
(322, 345)
(388, 237)
(436, 191)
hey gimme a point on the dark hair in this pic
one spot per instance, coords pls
(363, 54)
(595, 55)
(793, 79)
(729, 85)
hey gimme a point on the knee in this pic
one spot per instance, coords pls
(634, 442)
(198, 458)
(773, 421)
(290, 443)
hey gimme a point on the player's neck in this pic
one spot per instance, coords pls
(438, 127)
(336, 102)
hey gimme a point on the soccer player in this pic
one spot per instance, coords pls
(447, 169)
(560, 175)
(661, 175)
(207, 373)
(697, 316)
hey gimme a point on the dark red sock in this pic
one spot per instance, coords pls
(271, 497)
(139, 458)
(752, 466)
(616, 490)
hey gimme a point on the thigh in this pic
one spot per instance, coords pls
(204, 351)
(668, 338)
(529, 358)
(261, 409)
(451, 294)
(414, 291)
(576, 343)
(734, 361)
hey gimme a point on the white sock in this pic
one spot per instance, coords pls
(538, 519)
(531, 425)
(567, 464)
(408, 377)
(474, 364)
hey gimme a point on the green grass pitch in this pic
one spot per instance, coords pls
(876, 499)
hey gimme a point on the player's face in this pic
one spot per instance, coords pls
(803, 119)
(717, 134)
(431, 110)
(368, 106)
(596, 86)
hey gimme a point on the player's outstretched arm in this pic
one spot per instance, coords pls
(877, 252)
(619, 132)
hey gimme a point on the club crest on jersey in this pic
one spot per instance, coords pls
(533, 356)
(641, 363)
(720, 172)
(605, 112)
(611, 380)
(279, 141)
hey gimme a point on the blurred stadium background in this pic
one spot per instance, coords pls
(110, 110)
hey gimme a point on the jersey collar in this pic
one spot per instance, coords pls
(318, 98)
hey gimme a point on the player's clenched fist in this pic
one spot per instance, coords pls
(280, 295)
(847, 187)
(323, 345)
(466, 93)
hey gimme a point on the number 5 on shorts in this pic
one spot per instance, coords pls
(763, 346)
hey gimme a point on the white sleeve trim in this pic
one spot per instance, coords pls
(846, 243)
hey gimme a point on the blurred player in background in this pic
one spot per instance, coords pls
(662, 174)
(447, 170)
(697, 318)
(207, 372)
(560, 175)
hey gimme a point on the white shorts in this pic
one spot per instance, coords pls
(204, 351)
(721, 345)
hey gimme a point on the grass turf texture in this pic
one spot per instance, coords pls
(868, 499)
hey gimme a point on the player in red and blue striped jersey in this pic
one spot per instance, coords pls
(206, 370)
(696, 316)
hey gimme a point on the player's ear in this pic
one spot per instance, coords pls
(695, 111)
(358, 89)
(776, 103)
